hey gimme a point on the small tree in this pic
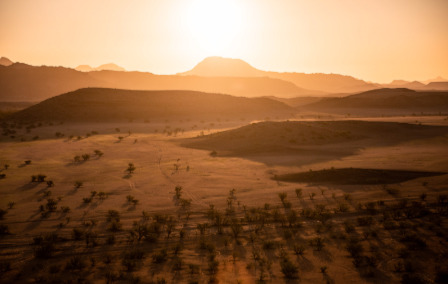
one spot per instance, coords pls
(131, 168)
(299, 193)
(98, 153)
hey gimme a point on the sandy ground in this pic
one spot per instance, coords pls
(161, 165)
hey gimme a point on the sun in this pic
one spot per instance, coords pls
(214, 24)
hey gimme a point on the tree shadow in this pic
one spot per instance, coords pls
(28, 186)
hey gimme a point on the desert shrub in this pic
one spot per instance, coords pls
(178, 191)
(177, 264)
(160, 256)
(317, 243)
(44, 250)
(11, 204)
(5, 266)
(50, 183)
(87, 200)
(131, 168)
(289, 270)
(85, 157)
(115, 226)
(299, 249)
(2, 213)
(413, 279)
(51, 205)
(113, 215)
(4, 230)
(77, 262)
(77, 234)
(129, 198)
(110, 240)
(298, 192)
(365, 221)
(65, 209)
(98, 153)
(213, 153)
(41, 178)
(269, 245)
(28, 162)
(102, 195)
(78, 184)
(77, 159)
(2, 176)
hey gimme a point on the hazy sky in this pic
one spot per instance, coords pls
(375, 40)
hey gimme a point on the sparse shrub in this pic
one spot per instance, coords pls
(65, 209)
(98, 153)
(28, 162)
(77, 159)
(129, 198)
(77, 234)
(115, 226)
(5, 266)
(51, 205)
(11, 204)
(289, 270)
(298, 193)
(178, 190)
(78, 184)
(102, 195)
(2, 213)
(77, 262)
(213, 153)
(85, 157)
(317, 243)
(50, 183)
(2, 176)
(113, 215)
(299, 249)
(131, 168)
(87, 200)
(160, 256)
(4, 230)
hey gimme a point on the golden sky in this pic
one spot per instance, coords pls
(375, 40)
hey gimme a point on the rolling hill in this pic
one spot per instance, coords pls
(388, 101)
(107, 105)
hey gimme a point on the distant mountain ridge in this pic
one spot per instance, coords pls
(5, 61)
(323, 83)
(22, 82)
(108, 66)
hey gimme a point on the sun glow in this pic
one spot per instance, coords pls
(214, 24)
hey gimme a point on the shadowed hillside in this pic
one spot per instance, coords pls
(100, 105)
(309, 142)
(388, 101)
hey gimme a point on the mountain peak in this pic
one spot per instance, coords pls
(5, 61)
(216, 66)
(108, 66)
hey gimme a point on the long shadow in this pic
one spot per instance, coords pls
(28, 186)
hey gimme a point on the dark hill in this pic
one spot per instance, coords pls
(103, 105)
(305, 137)
(391, 101)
